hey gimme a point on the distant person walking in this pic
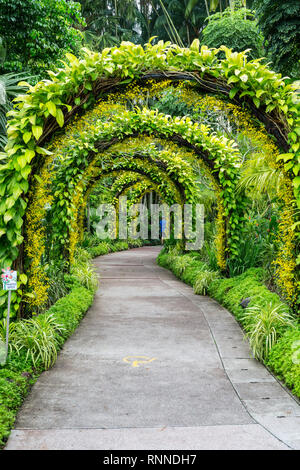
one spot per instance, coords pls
(163, 224)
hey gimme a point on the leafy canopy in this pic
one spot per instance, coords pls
(236, 29)
(279, 23)
(36, 33)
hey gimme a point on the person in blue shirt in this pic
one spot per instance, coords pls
(163, 224)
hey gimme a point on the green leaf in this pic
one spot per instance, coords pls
(7, 217)
(60, 117)
(43, 151)
(233, 79)
(22, 161)
(32, 119)
(296, 182)
(27, 137)
(233, 92)
(37, 131)
(23, 278)
(29, 154)
(51, 108)
(259, 93)
(285, 157)
(256, 102)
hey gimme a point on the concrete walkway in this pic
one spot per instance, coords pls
(153, 366)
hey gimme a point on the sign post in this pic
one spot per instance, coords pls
(9, 280)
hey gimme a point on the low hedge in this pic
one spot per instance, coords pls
(284, 357)
(230, 292)
(19, 372)
(95, 247)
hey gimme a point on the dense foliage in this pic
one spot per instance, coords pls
(9, 90)
(279, 23)
(236, 29)
(36, 33)
(156, 121)
(284, 359)
(34, 346)
(37, 117)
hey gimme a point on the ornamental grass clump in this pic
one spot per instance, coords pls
(203, 281)
(264, 324)
(37, 338)
(86, 275)
(83, 271)
(180, 264)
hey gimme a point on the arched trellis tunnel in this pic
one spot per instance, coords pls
(51, 104)
(175, 176)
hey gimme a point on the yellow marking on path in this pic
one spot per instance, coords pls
(136, 360)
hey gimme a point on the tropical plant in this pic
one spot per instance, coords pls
(9, 89)
(3, 328)
(279, 23)
(180, 264)
(264, 324)
(284, 359)
(236, 29)
(55, 273)
(83, 271)
(209, 253)
(258, 177)
(44, 32)
(37, 338)
(108, 22)
(203, 280)
(179, 20)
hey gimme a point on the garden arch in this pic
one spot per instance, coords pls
(51, 104)
(219, 155)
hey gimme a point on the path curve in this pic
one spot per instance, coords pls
(153, 366)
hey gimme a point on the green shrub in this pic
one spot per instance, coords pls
(203, 280)
(7, 419)
(83, 271)
(97, 247)
(135, 242)
(37, 337)
(283, 360)
(35, 343)
(229, 292)
(180, 264)
(69, 310)
(81, 256)
(236, 29)
(121, 245)
(263, 325)
(56, 281)
(99, 250)
(86, 275)
(188, 267)
(190, 274)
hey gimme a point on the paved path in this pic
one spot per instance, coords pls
(198, 387)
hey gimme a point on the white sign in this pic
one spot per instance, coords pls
(9, 279)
